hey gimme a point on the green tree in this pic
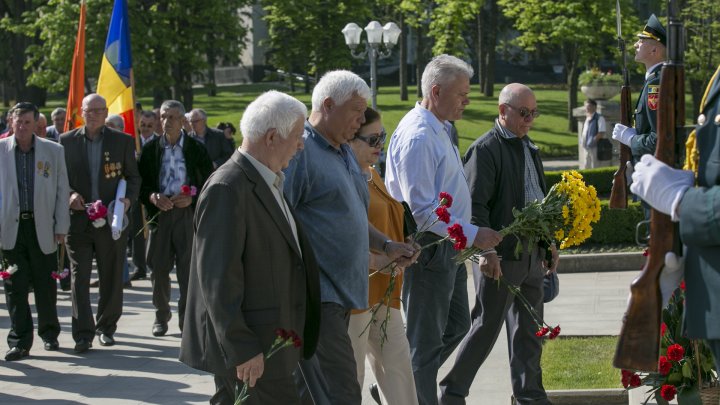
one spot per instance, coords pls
(449, 25)
(574, 26)
(702, 20)
(173, 43)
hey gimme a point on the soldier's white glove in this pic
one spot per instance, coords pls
(660, 185)
(623, 134)
(671, 275)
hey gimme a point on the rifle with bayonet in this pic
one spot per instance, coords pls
(639, 342)
(619, 192)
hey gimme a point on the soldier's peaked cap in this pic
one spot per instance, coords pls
(654, 30)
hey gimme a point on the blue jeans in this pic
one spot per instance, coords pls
(436, 308)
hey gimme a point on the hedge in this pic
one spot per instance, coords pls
(616, 226)
(601, 178)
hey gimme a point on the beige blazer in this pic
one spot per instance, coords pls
(50, 198)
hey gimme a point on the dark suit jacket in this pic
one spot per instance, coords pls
(197, 163)
(117, 148)
(217, 146)
(247, 277)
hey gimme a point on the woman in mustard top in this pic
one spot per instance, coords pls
(391, 360)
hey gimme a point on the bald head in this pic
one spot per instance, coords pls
(518, 108)
(513, 92)
(94, 112)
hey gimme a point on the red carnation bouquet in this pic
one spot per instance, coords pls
(96, 212)
(685, 366)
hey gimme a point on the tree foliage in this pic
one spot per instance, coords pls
(702, 56)
(449, 26)
(573, 26)
(173, 43)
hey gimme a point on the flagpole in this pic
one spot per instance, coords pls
(76, 90)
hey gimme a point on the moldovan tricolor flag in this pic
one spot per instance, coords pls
(115, 83)
(73, 118)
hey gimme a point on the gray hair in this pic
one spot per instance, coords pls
(200, 112)
(57, 112)
(340, 86)
(115, 121)
(443, 69)
(174, 104)
(271, 109)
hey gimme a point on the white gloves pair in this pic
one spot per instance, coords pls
(623, 134)
(660, 185)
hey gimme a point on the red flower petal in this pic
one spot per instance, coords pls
(668, 392)
(442, 214)
(448, 200)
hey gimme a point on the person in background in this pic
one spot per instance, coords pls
(593, 130)
(229, 132)
(58, 119)
(217, 146)
(41, 126)
(34, 218)
(390, 360)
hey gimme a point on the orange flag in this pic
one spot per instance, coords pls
(76, 93)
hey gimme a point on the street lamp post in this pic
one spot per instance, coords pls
(376, 36)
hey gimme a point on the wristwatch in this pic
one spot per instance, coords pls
(385, 245)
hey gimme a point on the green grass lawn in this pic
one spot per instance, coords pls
(550, 131)
(580, 363)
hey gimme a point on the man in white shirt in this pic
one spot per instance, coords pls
(422, 162)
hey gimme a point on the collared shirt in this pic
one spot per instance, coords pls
(144, 140)
(275, 182)
(422, 162)
(199, 138)
(172, 169)
(651, 70)
(25, 169)
(94, 155)
(329, 194)
(533, 192)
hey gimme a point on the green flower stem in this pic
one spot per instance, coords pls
(150, 221)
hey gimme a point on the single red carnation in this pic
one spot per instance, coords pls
(682, 285)
(185, 189)
(542, 331)
(626, 373)
(460, 243)
(442, 214)
(554, 332)
(635, 381)
(646, 252)
(282, 333)
(668, 392)
(663, 329)
(664, 366)
(675, 352)
(446, 200)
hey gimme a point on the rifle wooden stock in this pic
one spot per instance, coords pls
(619, 192)
(639, 342)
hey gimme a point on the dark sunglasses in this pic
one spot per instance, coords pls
(524, 112)
(373, 140)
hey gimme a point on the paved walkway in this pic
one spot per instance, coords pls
(142, 369)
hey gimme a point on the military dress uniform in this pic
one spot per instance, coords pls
(646, 107)
(700, 227)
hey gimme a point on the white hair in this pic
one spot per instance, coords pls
(115, 121)
(173, 104)
(271, 109)
(443, 69)
(340, 86)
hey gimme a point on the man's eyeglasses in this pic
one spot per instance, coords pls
(94, 110)
(373, 140)
(524, 111)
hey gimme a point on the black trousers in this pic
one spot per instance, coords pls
(137, 237)
(170, 244)
(110, 256)
(34, 267)
(279, 391)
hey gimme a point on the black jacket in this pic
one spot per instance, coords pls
(495, 171)
(218, 147)
(197, 163)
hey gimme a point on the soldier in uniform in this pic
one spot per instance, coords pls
(697, 209)
(650, 51)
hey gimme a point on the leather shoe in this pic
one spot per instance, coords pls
(106, 339)
(83, 345)
(138, 275)
(375, 394)
(160, 329)
(16, 353)
(51, 345)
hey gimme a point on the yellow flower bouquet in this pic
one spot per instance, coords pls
(565, 215)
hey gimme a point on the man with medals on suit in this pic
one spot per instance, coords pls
(34, 218)
(253, 270)
(168, 165)
(649, 50)
(97, 157)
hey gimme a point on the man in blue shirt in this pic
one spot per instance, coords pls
(422, 162)
(326, 189)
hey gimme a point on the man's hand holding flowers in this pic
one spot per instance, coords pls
(403, 254)
(555, 257)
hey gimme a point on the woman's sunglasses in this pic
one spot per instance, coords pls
(373, 140)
